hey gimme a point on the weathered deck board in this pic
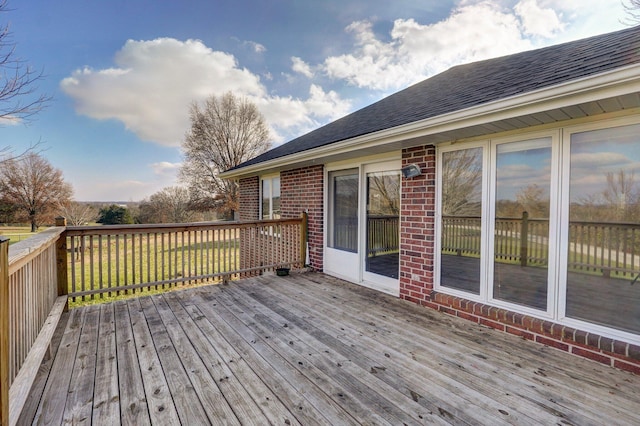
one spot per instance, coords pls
(106, 401)
(190, 410)
(161, 406)
(78, 409)
(311, 349)
(52, 404)
(477, 372)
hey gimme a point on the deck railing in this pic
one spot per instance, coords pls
(595, 247)
(40, 275)
(107, 261)
(32, 303)
(383, 234)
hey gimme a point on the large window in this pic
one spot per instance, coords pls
(603, 245)
(546, 225)
(270, 206)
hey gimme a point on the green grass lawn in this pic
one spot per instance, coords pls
(16, 233)
(136, 259)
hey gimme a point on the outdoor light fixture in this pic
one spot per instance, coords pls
(412, 170)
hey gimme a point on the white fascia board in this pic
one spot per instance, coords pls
(618, 82)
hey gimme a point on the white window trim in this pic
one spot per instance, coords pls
(482, 297)
(558, 217)
(270, 178)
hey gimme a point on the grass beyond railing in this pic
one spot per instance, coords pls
(106, 262)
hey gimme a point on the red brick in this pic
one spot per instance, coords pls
(447, 310)
(553, 343)
(595, 356)
(630, 367)
(491, 324)
(468, 317)
(520, 332)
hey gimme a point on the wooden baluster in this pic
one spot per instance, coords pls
(4, 331)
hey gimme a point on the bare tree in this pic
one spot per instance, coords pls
(621, 194)
(462, 182)
(534, 200)
(225, 132)
(171, 205)
(632, 8)
(78, 214)
(34, 186)
(18, 98)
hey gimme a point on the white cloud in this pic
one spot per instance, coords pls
(475, 30)
(301, 67)
(256, 47)
(472, 32)
(537, 20)
(165, 168)
(10, 120)
(293, 117)
(154, 82)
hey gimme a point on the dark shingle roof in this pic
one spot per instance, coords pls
(474, 84)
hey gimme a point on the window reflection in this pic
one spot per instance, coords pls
(383, 223)
(521, 236)
(461, 219)
(603, 257)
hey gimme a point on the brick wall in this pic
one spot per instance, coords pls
(302, 190)
(417, 226)
(249, 202)
(249, 198)
(608, 351)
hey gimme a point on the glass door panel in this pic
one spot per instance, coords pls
(343, 210)
(383, 223)
(603, 247)
(461, 199)
(521, 225)
(342, 257)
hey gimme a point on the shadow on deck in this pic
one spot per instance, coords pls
(310, 349)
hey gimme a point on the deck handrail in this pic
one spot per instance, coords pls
(31, 307)
(114, 260)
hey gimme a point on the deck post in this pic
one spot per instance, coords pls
(524, 239)
(62, 276)
(4, 331)
(303, 239)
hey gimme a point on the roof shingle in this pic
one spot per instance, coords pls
(473, 84)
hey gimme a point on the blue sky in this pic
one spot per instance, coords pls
(122, 73)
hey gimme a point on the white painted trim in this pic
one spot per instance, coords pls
(559, 222)
(613, 83)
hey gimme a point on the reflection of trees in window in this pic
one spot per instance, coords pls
(532, 199)
(462, 182)
(622, 195)
(384, 194)
(618, 202)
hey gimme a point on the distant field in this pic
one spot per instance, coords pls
(16, 233)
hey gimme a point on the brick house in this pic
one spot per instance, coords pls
(505, 191)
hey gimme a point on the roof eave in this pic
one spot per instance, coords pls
(605, 85)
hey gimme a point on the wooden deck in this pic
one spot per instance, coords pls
(310, 349)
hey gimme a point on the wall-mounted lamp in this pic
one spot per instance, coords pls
(412, 170)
